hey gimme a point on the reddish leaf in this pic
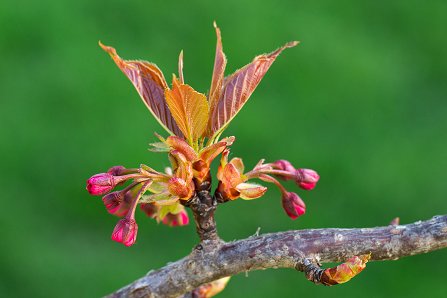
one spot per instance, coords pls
(238, 164)
(238, 87)
(231, 176)
(176, 143)
(220, 62)
(189, 109)
(345, 271)
(150, 83)
(211, 152)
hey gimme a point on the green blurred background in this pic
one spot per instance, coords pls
(362, 100)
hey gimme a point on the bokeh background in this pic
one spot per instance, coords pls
(363, 100)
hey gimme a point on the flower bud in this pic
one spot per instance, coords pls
(284, 165)
(125, 231)
(306, 179)
(100, 184)
(115, 203)
(306, 186)
(174, 220)
(150, 209)
(121, 171)
(116, 170)
(293, 205)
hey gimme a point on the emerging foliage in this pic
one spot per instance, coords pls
(189, 109)
(345, 271)
(195, 123)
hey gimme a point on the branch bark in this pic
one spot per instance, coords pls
(214, 259)
(203, 206)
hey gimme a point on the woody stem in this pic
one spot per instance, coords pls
(203, 205)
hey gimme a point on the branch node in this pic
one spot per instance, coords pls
(312, 271)
(203, 205)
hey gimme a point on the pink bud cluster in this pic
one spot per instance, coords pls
(122, 203)
(178, 184)
(306, 179)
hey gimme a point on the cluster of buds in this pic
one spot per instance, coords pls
(233, 182)
(173, 218)
(189, 170)
(162, 205)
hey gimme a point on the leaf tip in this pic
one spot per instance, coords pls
(108, 49)
(160, 137)
(292, 44)
(180, 67)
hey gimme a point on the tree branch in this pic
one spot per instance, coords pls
(214, 259)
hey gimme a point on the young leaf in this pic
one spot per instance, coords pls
(211, 289)
(220, 61)
(345, 271)
(250, 191)
(189, 109)
(172, 208)
(238, 87)
(150, 83)
(159, 147)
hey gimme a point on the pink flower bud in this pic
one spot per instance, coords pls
(284, 165)
(116, 203)
(174, 220)
(288, 170)
(150, 209)
(125, 231)
(293, 205)
(119, 172)
(306, 179)
(116, 170)
(112, 201)
(100, 184)
(307, 186)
